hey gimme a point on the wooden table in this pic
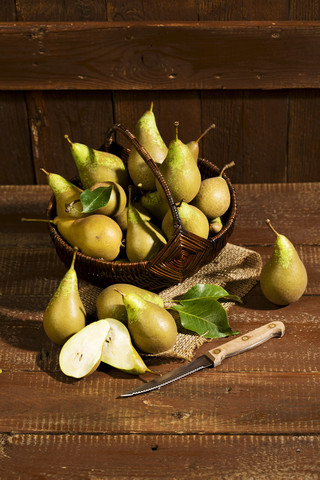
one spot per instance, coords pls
(256, 417)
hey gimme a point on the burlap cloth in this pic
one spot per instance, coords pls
(236, 269)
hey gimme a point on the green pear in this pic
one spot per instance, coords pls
(283, 278)
(147, 133)
(109, 302)
(65, 194)
(143, 239)
(117, 201)
(95, 166)
(97, 235)
(81, 354)
(213, 198)
(192, 220)
(119, 352)
(152, 328)
(65, 313)
(180, 172)
(122, 218)
(156, 205)
(194, 144)
(215, 226)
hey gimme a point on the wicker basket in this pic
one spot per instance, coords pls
(183, 255)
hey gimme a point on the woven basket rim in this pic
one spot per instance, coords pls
(178, 229)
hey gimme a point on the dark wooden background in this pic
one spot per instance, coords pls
(270, 129)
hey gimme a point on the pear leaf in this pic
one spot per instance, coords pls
(95, 199)
(209, 290)
(201, 312)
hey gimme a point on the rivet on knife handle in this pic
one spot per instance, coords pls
(246, 342)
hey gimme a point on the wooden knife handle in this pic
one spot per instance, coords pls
(246, 342)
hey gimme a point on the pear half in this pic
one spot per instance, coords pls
(119, 352)
(81, 354)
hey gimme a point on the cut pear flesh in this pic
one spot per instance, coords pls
(118, 350)
(81, 354)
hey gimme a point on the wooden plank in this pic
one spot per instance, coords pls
(137, 10)
(59, 10)
(244, 10)
(256, 402)
(251, 130)
(285, 205)
(303, 142)
(149, 457)
(15, 145)
(304, 10)
(238, 55)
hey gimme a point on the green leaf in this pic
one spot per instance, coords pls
(201, 312)
(209, 290)
(95, 199)
(205, 316)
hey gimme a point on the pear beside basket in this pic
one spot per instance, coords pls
(183, 255)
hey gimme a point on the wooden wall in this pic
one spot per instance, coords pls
(270, 131)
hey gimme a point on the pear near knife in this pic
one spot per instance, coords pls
(214, 357)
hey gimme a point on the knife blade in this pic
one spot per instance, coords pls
(214, 357)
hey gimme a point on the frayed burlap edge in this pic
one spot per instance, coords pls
(236, 269)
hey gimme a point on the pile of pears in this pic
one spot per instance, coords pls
(130, 321)
(136, 222)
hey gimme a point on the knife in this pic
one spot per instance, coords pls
(214, 357)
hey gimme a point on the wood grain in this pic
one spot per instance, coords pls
(159, 56)
(148, 457)
(84, 117)
(15, 145)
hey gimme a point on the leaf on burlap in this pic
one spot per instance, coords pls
(201, 312)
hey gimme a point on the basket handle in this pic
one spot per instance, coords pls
(149, 161)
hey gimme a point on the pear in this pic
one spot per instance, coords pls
(213, 198)
(65, 313)
(192, 220)
(119, 352)
(109, 302)
(156, 205)
(180, 172)
(147, 133)
(143, 239)
(122, 218)
(95, 166)
(152, 328)
(81, 354)
(117, 201)
(97, 235)
(215, 226)
(283, 278)
(194, 144)
(65, 193)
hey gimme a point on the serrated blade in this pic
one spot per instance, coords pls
(192, 367)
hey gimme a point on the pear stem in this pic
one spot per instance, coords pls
(67, 138)
(205, 132)
(271, 227)
(75, 250)
(36, 220)
(231, 164)
(151, 107)
(69, 206)
(119, 291)
(176, 124)
(44, 171)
